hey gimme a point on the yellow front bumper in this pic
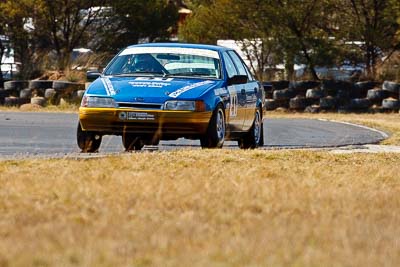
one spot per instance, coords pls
(117, 120)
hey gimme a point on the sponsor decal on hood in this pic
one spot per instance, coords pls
(188, 87)
(151, 83)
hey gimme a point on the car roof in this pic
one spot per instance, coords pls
(184, 45)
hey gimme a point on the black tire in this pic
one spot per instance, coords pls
(303, 86)
(376, 95)
(328, 103)
(12, 101)
(279, 85)
(343, 94)
(298, 103)
(328, 85)
(23, 101)
(25, 93)
(3, 94)
(270, 104)
(284, 94)
(391, 87)
(40, 101)
(390, 104)
(365, 85)
(15, 85)
(360, 89)
(268, 90)
(282, 103)
(330, 92)
(269, 95)
(40, 84)
(215, 135)
(360, 104)
(299, 93)
(50, 93)
(52, 96)
(267, 87)
(88, 142)
(314, 94)
(343, 97)
(254, 137)
(132, 142)
(67, 86)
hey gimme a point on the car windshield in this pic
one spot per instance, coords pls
(166, 61)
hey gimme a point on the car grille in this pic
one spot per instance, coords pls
(140, 105)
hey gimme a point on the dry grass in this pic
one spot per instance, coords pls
(202, 208)
(66, 108)
(387, 122)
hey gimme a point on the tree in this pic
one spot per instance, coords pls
(48, 30)
(237, 20)
(256, 37)
(131, 21)
(287, 30)
(301, 26)
(62, 25)
(211, 22)
(368, 26)
(14, 15)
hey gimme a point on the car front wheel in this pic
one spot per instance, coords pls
(215, 135)
(254, 137)
(88, 141)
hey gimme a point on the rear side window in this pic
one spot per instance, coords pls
(242, 68)
(238, 63)
(230, 67)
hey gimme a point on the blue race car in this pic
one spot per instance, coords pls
(153, 92)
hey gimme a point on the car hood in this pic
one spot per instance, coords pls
(151, 90)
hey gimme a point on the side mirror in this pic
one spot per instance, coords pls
(92, 75)
(238, 79)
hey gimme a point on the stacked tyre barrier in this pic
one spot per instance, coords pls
(332, 95)
(40, 92)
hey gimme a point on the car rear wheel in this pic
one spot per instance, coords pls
(215, 135)
(132, 142)
(254, 137)
(88, 141)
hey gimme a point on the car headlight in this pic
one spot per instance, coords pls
(184, 105)
(98, 102)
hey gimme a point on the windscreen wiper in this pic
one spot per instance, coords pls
(198, 74)
(139, 73)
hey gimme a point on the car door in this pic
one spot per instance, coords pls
(237, 109)
(248, 93)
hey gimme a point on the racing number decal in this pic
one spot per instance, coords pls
(233, 106)
(233, 101)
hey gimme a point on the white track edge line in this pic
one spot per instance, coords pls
(384, 135)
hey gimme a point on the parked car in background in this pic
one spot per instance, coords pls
(8, 66)
(153, 92)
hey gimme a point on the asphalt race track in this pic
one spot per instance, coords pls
(30, 134)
